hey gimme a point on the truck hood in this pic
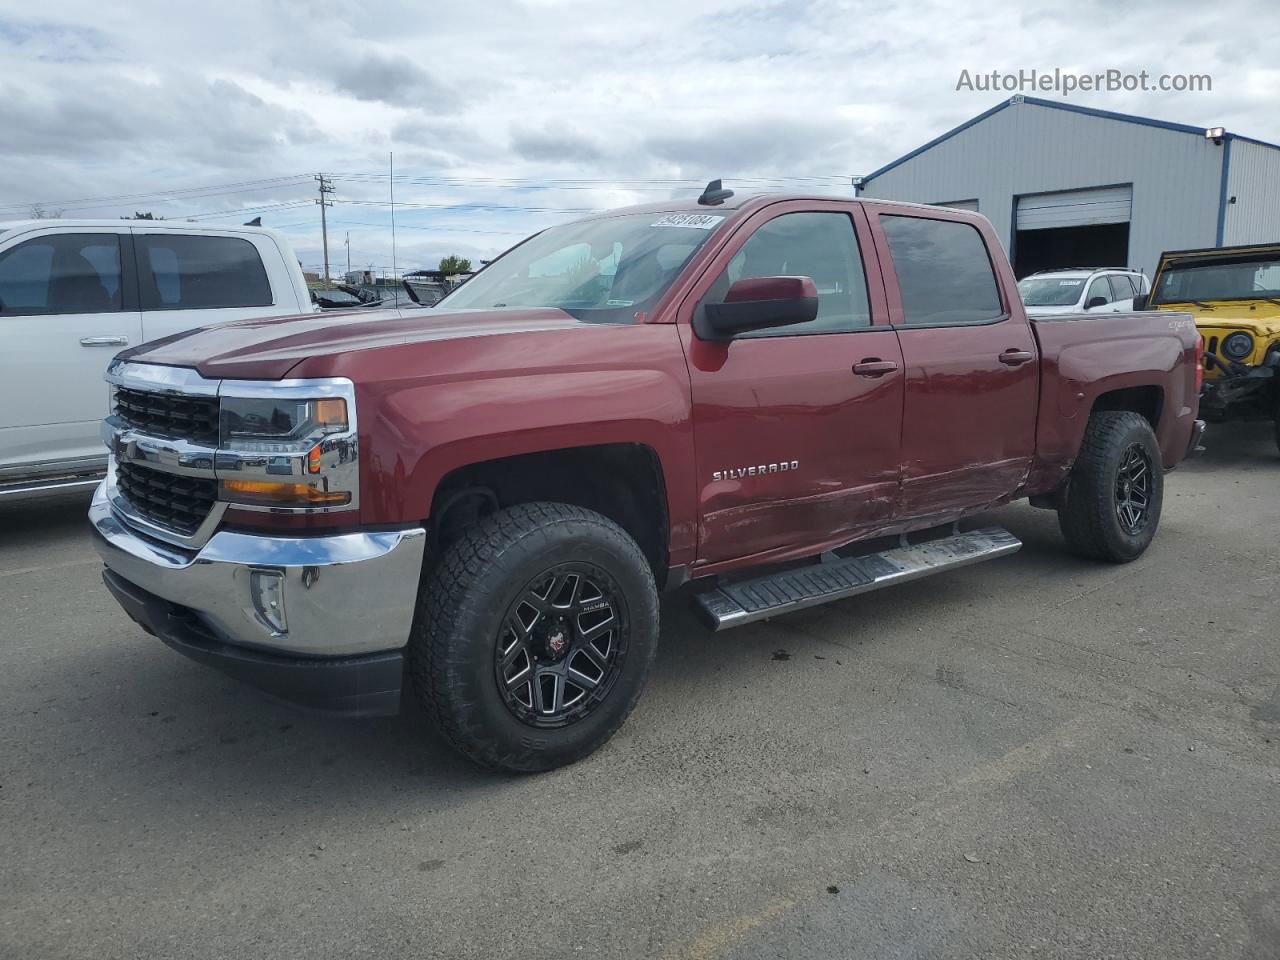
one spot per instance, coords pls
(267, 349)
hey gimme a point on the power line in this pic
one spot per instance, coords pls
(410, 226)
(841, 179)
(183, 193)
(239, 211)
(476, 207)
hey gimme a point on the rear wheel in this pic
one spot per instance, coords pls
(534, 636)
(1116, 489)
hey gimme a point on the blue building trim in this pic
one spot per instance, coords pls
(1222, 190)
(935, 141)
(1070, 108)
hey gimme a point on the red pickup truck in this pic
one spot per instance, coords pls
(779, 401)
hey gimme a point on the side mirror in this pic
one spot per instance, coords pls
(1140, 301)
(758, 303)
(1095, 302)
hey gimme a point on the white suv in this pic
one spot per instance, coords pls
(1082, 290)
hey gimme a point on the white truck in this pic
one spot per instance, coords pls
(74, 293)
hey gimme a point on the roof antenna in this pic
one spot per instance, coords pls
(714, 195)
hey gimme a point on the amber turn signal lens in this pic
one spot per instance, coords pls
(331, 411)
(285, 494)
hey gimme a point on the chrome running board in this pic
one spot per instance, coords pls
(746, 601)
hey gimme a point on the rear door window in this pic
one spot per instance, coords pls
(1121, 287)
(1099, 288)
(943, 270)
(181, 272)
(63, 273)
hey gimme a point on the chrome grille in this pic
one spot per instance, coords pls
(172, 416)
(177, 502)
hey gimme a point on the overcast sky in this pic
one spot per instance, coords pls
(187, 109)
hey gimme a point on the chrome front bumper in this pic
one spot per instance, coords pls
(345, 595)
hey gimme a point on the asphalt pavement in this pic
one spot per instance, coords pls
(1033, 757)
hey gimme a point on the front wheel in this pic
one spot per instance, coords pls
(1116, 489)
(534, 636)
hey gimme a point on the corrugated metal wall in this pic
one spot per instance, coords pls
(1026, 148)
(1254, 180)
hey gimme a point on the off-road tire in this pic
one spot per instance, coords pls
(461, 609)
(1088, 518)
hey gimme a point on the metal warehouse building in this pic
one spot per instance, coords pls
(1069, 186)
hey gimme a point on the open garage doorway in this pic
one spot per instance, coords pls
(1072, 228)
(1104, 245)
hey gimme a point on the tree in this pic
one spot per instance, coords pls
(143, 216)
(454, 264)
(39, 212)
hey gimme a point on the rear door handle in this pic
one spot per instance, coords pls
(874, 367)
(104, 341)
(1013, 358)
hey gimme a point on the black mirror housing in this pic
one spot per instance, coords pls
(1095, 302)
(759, 303)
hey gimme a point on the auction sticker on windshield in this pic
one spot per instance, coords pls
(698, 221)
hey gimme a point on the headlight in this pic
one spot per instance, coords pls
(268, 425)
(1238, 345)
(284, 450)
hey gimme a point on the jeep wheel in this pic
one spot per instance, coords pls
(534, 635)
(1116, 489)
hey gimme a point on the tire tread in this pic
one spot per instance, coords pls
(1086, 518)
(444, 599)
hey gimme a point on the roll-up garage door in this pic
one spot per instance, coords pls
(1075, 208)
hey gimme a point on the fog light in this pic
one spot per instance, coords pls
(267, 589)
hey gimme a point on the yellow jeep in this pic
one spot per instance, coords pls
(1234, 293)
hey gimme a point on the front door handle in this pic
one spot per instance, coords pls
(874, 367)
(104, 341)
(1013, 358)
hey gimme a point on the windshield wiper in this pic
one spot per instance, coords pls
(1271, 300)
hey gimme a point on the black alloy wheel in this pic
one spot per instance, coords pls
(1113, 497)
(561, 645)
(1133, 489)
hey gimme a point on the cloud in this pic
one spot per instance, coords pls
(555, 142)
(743, 146)
(392, 79)
(101, 100)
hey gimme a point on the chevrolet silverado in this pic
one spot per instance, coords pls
(777, 401)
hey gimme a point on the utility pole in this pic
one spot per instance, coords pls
(326, 186)
(348, 242)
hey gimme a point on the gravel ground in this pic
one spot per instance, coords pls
(1032, 757)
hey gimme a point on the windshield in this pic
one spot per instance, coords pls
(604, 271)
(1050, 291)
(1246, 278)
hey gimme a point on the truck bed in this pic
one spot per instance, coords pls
(1084, 356)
